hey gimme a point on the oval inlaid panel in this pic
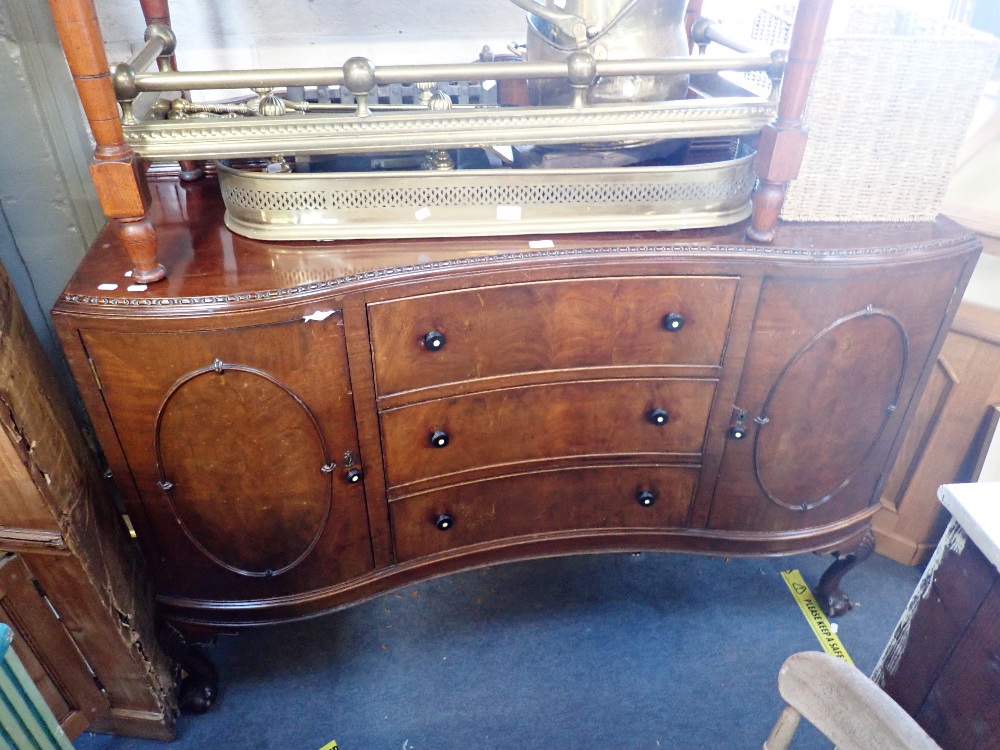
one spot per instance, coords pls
(245, 459)
(827, 409)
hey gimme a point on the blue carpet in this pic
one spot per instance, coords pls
(596, 651)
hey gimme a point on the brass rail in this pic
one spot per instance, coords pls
(276, 77)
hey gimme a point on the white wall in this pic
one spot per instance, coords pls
(217, 34)
(214, 34)
(48, 209)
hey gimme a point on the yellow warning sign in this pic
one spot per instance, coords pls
(814, 615)
(331, 745)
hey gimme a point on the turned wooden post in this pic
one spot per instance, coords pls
(158, 11)
(783, 141)
(116, 170)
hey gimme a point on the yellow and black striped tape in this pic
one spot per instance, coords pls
(814, 615)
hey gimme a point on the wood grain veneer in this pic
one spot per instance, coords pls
(553, 360)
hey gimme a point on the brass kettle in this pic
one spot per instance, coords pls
(609, 30)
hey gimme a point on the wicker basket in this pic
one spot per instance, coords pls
(889, 108)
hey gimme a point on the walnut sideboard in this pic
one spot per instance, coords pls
(295, 427)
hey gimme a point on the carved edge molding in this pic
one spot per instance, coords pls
(214, 612)
(305, 291)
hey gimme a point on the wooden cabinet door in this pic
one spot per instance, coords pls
(240, 443)
(829, 375)
(47, 652)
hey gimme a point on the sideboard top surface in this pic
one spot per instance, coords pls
(209, 268)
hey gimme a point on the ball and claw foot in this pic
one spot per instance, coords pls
(198, 694)
(200, 686)
(835, 603)
(832, 600)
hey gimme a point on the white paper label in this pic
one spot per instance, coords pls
(136, 287)
(107, 287)
(487, 85)
(508, 213)
(422, 213)
(319, 315)
(539, 244)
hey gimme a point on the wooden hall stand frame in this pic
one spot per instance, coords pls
(296, 427)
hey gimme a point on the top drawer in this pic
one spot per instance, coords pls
(549, 325)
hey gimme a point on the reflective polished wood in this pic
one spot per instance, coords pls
(271, 411)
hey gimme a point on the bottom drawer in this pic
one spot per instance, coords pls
(602, 497)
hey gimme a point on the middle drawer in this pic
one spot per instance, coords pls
(640, 417)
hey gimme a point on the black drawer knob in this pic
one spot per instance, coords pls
(737, 433)
(658, 416)
(645, 498)
(434, 341)
(444, 521)
(353, 476)
(439, 438)
(673, 321)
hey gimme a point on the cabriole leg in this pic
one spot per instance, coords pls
(200, 686)
(832, 600)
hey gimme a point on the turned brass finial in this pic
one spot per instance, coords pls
(359, 78)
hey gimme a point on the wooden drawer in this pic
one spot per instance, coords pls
(490, 331)
(603, 497)
(555, 420)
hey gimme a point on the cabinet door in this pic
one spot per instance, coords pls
(46, 650)
(239, 442)
(831, 371)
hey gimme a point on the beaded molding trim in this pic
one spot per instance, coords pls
(305, 291)
(322, 134)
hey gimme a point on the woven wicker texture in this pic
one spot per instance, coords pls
(889, 107)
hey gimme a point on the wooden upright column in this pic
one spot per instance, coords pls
(116, 170)
(158, 11)
(783, 142)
